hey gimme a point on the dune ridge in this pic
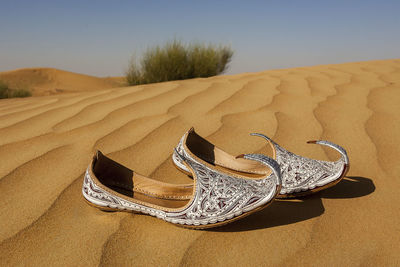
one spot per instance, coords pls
(46, 143)
(48, 81)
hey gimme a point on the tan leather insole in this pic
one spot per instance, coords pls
(239, 164)
(136, 186)
(206, 151)
(158, 189)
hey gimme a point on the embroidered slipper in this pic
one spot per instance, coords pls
(300, 175)
(214, 198)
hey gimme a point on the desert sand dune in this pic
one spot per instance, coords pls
(46, 143)
(48, 81)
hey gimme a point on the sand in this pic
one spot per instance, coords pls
(49, 81)
(46, 143)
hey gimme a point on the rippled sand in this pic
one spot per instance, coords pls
(46, 143)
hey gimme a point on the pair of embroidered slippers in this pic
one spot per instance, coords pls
(225, 188)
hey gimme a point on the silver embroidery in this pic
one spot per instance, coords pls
(218, 194)
(301, 173)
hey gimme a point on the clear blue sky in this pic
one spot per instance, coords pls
(98, 37)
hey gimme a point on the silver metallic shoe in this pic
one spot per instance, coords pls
(300, 175)
(213, 199)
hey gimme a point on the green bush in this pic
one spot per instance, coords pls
(177, 61)
(6, 92)
(3, 90)
(20, 93)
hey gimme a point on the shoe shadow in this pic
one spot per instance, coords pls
(282, 212)
(350, 187)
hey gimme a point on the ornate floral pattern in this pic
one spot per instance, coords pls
(221, 195)
(301, 173)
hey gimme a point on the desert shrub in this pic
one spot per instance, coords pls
(3, 90)
(20, 93)
(177, 61)
(6, 92)
(206, 61)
